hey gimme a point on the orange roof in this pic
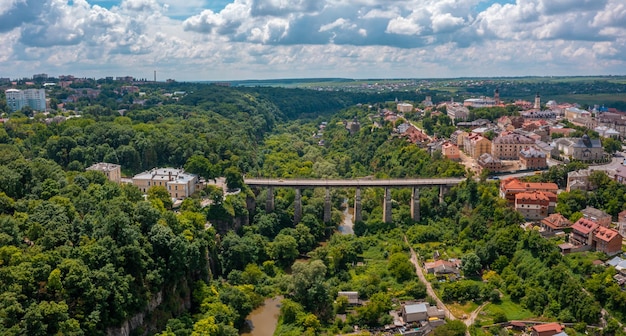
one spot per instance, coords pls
(514, 183)
(548, 327)
(531, 196)
(556, 221)
(584, 226)
(605, 234)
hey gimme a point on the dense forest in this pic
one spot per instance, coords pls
(80, 254)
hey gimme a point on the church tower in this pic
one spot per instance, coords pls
(537, 102)
(496, 96)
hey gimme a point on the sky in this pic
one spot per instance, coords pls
(262, 39)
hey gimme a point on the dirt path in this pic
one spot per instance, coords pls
(429, 288)
(475, 313)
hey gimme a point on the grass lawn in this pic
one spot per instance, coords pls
(512, 310)
(458, 309)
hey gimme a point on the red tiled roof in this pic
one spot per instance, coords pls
(548, 327)
(514, 183)
(584, 226)
(556, 221)
(605, 234)
(531, 196)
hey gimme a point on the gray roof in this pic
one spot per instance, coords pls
(616, 261)
(416, 308)
(586, 142)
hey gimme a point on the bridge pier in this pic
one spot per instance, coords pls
(357, 206)
(387, 207)
(327, 206)
(442, 190)
(415, 204)
(269, 202)
(297, 207)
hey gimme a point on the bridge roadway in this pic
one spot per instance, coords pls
(298, 184)
(351, 183)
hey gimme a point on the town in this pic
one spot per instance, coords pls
(507, 144)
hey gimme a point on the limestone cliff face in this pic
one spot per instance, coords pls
(147, 321)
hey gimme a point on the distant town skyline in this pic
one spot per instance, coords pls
(264, 39)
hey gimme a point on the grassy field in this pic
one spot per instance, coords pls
(512, 310)
(459, 310)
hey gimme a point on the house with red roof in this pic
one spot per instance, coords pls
(513, 186)
(582, 232)
(532, 205)
(607, 240)
(548, 329)
(555, 223)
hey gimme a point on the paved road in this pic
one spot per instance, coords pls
(429, 288)
(304, 183)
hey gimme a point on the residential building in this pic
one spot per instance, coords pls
(457, 112)
(579, 180)
(532, 205)
(352, 126)
(443, 267)
(451, 151)
(548, 329)
(512, 186)
(597, 216)
(532, 158)
(178, 183)
(607, 132)
(487, 161)
(458, 137)
(405, 107)
(112, 171)
(475, 145)
(18, 99)
(555, 223)
(607, 240)
(508, 146)
(620, 175)
(581, 149)
(15, 99)
(582, 232)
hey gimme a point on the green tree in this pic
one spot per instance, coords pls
(234, 178)
(400, 267)
(160, 193)
(470, 264)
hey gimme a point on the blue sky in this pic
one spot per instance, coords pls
(256, 39)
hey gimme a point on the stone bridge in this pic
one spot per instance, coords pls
(299, 184)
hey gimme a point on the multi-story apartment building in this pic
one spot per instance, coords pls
(532, 158)
(112, 171)
(532, 205)
(178, 183)
(451, 151)
(18, 99)
(475, 145)
(508, 147)
(512, 186)
(457, 112)
(486, 161)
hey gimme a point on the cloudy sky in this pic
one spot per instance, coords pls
(258, 39)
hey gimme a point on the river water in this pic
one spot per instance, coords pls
(346, 226)
(263, 320)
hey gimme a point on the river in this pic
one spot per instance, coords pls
(346, 226)
(263, 320)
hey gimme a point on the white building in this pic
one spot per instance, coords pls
(18, 99)
(178, 183)
(479, 102)
(405, 107)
